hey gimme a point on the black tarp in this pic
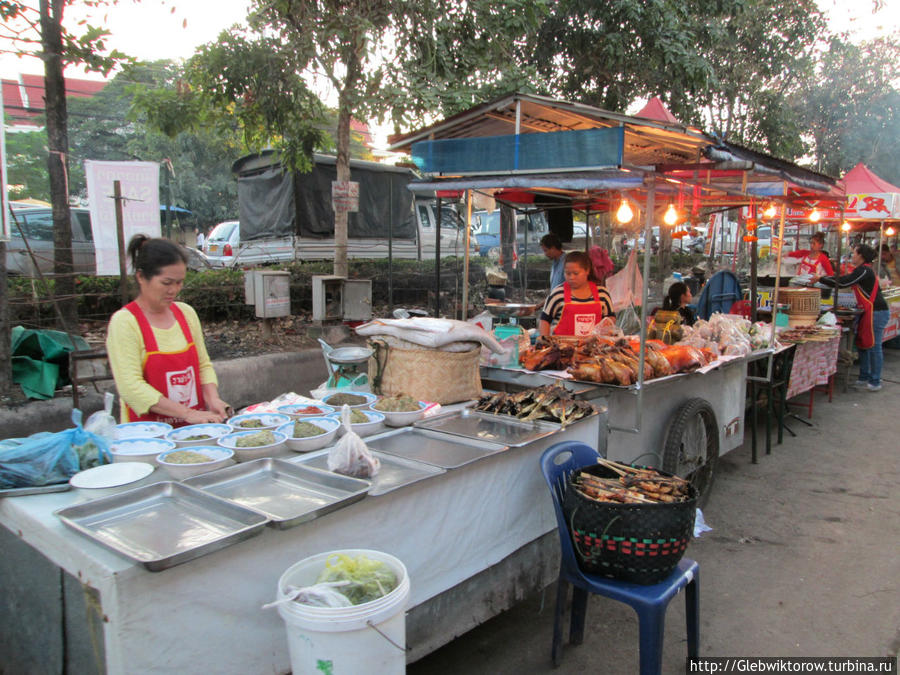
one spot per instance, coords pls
(271, 204)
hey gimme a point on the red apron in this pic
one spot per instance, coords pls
(810, 265)
(176, 375)
(579, 318)
(865, 329)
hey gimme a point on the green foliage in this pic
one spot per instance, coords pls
(26, 161)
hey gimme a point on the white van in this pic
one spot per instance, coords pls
(36, 223)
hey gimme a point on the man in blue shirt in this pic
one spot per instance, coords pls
(552, 248)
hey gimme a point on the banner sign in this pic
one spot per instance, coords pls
(873, 207)
(140, 206)
(345, 196)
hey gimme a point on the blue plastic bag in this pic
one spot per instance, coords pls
(45, 459)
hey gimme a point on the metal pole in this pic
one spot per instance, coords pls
(437, 259)
(648, 231)
(465, 307)
(120, 238)
(778, 265)
(880, 243)
(391, 248)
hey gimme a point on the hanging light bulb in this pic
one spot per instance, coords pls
(670, 217)
(770, 211)
(624, 214)
(890, 231)
(845, 226)
(814, 215)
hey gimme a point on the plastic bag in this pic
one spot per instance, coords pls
(628, 321)
(320, 595)
(102, 423)
(351, 456)
(626, 287)
(367, 579)
(47, 459)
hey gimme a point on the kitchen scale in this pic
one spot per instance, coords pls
(506, 315)
(344, 364)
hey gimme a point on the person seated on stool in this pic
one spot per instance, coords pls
(677, 299)
(579, 304)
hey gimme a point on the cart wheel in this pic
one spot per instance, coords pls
(692, 446)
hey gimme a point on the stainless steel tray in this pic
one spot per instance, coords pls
(163, 524)
(39, 490)
(443, 450)
(395, 472)
(503, 429)
(286, 493)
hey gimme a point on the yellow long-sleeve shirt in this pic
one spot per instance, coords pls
(126, 350)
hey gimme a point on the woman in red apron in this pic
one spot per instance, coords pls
(813, 261)
(155, 345)
(579, 304)
(874, 317)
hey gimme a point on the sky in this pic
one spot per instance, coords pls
(172, 29)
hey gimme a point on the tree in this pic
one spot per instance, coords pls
(852, 108)
(39, 31)
(26, 162)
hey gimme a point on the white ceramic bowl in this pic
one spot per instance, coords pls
(139, 449)
(268, 420)
(311, 443)
(214, 431)
(375, 423)
(247, 454)
(141, 430)
(294, 410)
(218, 457)
(370, 399)
(401, 419)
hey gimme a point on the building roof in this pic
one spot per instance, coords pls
(23, 97)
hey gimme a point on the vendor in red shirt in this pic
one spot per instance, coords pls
(814, 261)
(579, 304)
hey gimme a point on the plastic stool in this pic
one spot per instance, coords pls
(650, 602)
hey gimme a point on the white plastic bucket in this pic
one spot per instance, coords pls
(367, 638)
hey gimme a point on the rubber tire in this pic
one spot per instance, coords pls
(692, 412)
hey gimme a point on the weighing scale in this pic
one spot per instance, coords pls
(344, 364)
(506, 314)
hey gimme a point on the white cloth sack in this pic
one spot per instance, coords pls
(431, 333)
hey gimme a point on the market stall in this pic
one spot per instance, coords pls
(448, 529)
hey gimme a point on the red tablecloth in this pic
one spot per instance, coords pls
(814, 363)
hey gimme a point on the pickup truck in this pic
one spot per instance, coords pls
(286, 217)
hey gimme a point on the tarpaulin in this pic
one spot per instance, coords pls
(40, 360)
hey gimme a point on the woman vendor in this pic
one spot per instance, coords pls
(155, 345)
(678, 299)
(579, 304)
(870, 328)
(814, 261)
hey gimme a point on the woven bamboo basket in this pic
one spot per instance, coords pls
(425, 374)
(801, 300)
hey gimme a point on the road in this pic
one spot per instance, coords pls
(802, 559)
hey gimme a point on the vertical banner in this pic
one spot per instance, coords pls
(140, 207)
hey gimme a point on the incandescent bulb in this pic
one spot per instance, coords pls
(624, 214)
(815, 216)
(670, 217)
(890, 232)
(770, 211)
(845, 226)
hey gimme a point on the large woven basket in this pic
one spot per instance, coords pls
(804, 301)
(640, 543)
(425, 374)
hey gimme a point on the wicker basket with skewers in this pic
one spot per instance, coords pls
(629, 523)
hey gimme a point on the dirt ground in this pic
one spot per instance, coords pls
(802, 559)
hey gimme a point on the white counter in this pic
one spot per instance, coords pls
(204, 615)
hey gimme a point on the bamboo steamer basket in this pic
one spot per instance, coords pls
(803, 305)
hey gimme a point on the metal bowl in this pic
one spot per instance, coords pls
(507, 309)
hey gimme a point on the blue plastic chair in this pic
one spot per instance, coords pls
(650, 602)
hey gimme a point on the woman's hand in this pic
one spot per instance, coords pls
(813, 280)
(218, 406)
(203, 417)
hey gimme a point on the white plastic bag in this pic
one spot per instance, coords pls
(102, 423)
(351, 456)
(626, 287)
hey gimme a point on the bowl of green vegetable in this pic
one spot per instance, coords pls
(197, 434)
(309, 433)
(355, 399)
(183, 463)
(362, 422)
(399, 410)
(257, 421)
(250, 445)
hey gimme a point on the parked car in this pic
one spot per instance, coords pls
(487, 232)
(36, 223)
(222, 243)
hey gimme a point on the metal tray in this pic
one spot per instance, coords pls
(395, 472)
(445, 451)
(38, 490)
(503, 429)
(284, 492)
(163, 524)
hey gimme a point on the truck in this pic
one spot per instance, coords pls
(286, 216)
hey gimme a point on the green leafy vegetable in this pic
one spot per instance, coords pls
(369, 579)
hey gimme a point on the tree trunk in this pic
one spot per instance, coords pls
(345, 108)
(5, 345)
(57, 161)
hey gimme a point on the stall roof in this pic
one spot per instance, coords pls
(678, 155)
